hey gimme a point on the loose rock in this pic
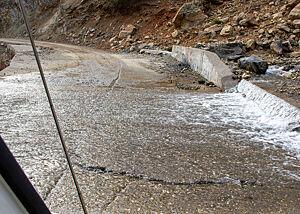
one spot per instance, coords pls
(175, 34)
(213, 29)
(254, 64)
(188, 15)
(276, 46)
(296, 23)
(287, 47)
(226, 31)
(229, 51)
(128, 31)
(246, 76)
(251, 44)
(284, 28)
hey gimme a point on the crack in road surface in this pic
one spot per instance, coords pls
(103, 170)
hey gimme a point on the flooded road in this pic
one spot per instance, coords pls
(152, 149)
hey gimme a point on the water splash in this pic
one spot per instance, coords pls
(269, 103)
(275, 113)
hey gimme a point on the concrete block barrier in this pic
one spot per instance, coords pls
(207, 64)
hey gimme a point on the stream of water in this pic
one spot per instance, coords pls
(166, 133)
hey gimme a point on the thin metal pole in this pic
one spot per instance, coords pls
(52, 108)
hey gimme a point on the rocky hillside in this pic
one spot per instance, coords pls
(259, 24)
(267, 28)
(11, 22)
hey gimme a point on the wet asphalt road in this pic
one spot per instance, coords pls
(143, 149)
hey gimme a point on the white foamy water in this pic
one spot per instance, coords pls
(273, 112)
(109, 130)
(279, 70)
(243, 116)
(268, 102)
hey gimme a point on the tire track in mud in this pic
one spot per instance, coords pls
(114, 81)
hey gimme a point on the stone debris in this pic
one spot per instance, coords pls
(254, 64)
(226, 31)
(128, 31)
(175, 34)
(229, 51)
(276, 46)
(251, 44)
(295, 12)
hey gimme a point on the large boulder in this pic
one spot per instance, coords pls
(188, 15)
(254, 64)
(7, 53)
(229, 51)
(128, 31)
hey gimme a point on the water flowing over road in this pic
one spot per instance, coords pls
(140, 145)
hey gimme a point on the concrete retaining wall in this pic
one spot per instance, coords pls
(207, 64)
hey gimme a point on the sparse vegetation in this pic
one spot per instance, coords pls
(217, 21)
(113, 1)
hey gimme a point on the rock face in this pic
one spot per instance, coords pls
(254, 64)
(188, 16)
(7, 53)
(11, 21)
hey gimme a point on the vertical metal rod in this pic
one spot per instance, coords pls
(52, 108)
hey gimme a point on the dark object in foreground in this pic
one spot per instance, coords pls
(15, 179)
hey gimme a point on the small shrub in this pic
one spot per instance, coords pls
(217, 21)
